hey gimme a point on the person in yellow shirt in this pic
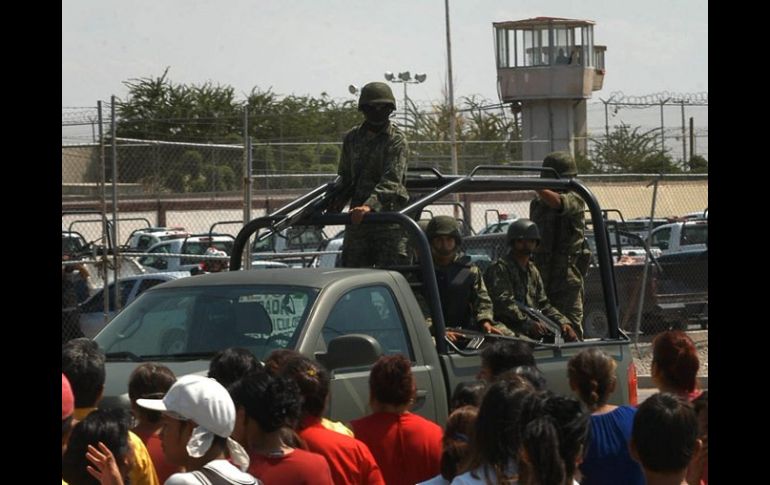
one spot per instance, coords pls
(83, 364)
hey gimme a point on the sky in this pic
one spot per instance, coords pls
(310, 47)
(307, 47)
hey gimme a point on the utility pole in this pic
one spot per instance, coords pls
(452, 121)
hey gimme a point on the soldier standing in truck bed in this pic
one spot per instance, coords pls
(373, 171)
(562, 255)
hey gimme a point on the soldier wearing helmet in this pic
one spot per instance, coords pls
(563, 255)
(373, 170)
(464, 299)
(514, 278)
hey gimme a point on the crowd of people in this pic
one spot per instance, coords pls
(251, 422)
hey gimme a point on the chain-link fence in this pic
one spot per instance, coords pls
(200, 188)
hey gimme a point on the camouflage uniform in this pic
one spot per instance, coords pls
(507, 282)
(464, 298)
(373, 171)
(562, 255)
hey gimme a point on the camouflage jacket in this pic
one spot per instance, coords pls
(507, 282)
(464, 298)
(373, 169)
(562, 236)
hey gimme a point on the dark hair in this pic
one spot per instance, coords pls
(391, 380)
(149, 381)
(292, 439)
(456, 440)
(593, 373)
(665, 433)
(313, 381)
(553, 431)
(277, 359)
(701, 403)
(230, 364)
(273, 402)
(66, 425)
(701, 407)
(108, 426)
(494, 441)
(467, 394)
(507, 354)
(676, 358)
(528, 372)
(82, 361)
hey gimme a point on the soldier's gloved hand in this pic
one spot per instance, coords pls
(567, 333)
(357, 213)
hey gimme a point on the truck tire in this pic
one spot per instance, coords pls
(595, 324)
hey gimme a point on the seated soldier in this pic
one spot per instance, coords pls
(515, 286)
(464, 299)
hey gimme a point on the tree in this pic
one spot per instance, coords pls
(627, 150)
(698, 164)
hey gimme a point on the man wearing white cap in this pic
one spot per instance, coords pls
(198, 417)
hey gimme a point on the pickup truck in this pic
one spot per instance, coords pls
(682, 236)
(344, 318)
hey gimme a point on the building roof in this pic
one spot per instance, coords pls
(539, 22)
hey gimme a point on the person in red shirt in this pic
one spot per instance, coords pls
(266, 404)
(407, 446)
(350, 461)
(151, 381)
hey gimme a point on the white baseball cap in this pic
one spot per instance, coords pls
(206, 402)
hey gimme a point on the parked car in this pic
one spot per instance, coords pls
(160, 255)
(293, 240)
(676, 237)
(73, 244)
(142, 239)
(92, 309)
(330, 260)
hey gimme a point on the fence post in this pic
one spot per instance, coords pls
(115, 231)
(247, 186)
(103, 194)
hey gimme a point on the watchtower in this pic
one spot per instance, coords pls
(548, 67)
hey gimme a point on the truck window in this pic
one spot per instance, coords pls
(694, 234)
(144, 242)
(661, 238)
(371, 311)
(155, 261)
(201, 247)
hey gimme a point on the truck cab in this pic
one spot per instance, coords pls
(684, 236)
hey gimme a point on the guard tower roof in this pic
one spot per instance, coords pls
(539, 21)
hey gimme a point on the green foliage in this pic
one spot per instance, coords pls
(584, 164)
(473, 123)
(627, 150)
(698, 164)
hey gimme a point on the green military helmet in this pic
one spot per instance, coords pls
(562, 162)
(376, 92)
(444, 226)
(523, 229)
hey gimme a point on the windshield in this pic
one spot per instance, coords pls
(172, 323)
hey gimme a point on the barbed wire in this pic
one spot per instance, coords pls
(662, 97)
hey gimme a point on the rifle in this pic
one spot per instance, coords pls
(554, 329)
(314, 207)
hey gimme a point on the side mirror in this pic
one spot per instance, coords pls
(352, 350)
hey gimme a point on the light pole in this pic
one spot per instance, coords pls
(405, 78)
